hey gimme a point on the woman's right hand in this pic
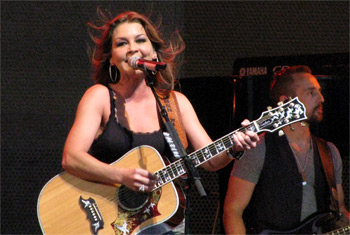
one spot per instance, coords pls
(137, 179)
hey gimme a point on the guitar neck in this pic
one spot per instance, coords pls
(344, 230)
(212, 150)
(177, 168)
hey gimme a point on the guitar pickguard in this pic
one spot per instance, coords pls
(128, 220)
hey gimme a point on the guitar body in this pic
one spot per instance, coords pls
(317, 223)
(63, 205)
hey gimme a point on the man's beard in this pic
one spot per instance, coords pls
(316, 116)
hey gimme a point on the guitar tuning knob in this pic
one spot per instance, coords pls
(280, 133)
(269, 108)
(304, 124)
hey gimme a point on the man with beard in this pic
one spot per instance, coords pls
(287, 179)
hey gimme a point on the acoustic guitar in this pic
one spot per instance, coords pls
(70, 205)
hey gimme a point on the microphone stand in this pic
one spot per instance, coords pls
(193, 175)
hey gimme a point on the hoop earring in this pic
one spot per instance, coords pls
(116, 77)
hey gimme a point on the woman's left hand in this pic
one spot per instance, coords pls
(245, 141)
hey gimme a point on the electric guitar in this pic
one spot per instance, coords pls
(317, 223)
(70, 205)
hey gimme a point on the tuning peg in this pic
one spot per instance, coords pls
(269, 108)
(280, 133)
(304, 124)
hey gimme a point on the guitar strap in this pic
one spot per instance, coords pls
(327, 163)
(172, 107)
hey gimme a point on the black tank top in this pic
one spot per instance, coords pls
(117, 140)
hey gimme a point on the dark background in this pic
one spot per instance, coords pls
(45, 71)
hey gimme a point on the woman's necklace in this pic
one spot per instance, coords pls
(302, 168)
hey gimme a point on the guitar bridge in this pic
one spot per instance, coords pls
(93, 214)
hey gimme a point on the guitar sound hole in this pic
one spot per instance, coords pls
(130, 200)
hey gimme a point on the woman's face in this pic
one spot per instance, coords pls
(130, 39)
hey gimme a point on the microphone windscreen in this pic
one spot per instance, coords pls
(132, 61)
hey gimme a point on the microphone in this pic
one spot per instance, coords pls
(138, 63)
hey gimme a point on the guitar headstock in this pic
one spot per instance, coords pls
(283, 115)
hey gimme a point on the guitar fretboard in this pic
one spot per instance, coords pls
(340, 231)
(177, 168)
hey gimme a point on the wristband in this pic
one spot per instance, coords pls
(235, 156)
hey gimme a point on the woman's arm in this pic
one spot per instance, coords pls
(93, 108)
(199, 138)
